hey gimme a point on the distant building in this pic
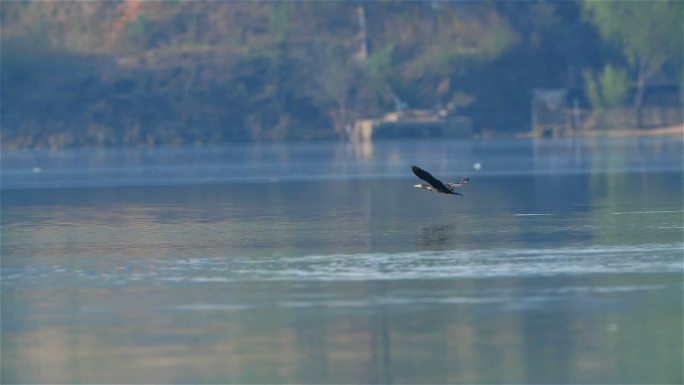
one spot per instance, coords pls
(412, 123)
(556, 111)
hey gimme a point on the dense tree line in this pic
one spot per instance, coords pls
(143, 72)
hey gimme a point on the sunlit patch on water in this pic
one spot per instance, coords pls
(648, 212)
(209, 307)
(532, 215)
(511, 300)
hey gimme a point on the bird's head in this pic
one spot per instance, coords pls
(419, 185)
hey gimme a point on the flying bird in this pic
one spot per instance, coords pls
(435, 184)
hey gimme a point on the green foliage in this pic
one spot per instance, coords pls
(614, 84)
(646, 30)
(380, 63)
(138, 27)
(201, 71)
(609, 89)
(650, 34)
(280, 20)
(592, 88)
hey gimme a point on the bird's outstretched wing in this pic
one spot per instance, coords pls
(464, 181)
(434, 182)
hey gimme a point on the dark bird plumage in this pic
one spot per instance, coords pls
(435, 184)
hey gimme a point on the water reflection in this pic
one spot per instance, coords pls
(444, 343)
(436, 236)
(562, 263)
(282, 162)
(363, 150)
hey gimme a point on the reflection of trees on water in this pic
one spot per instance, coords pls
(363, 150)
(381, 346)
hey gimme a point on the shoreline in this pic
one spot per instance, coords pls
(674, 130)
(677, 129)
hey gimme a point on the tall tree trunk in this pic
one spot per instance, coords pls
(639, 97)
(362, 54)
(340, 119)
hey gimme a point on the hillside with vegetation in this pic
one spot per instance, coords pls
(191, 72)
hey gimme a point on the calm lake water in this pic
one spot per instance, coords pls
(320, 263)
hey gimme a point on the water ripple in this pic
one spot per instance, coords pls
(422, 265)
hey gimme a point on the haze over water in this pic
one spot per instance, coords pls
(320, 263)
